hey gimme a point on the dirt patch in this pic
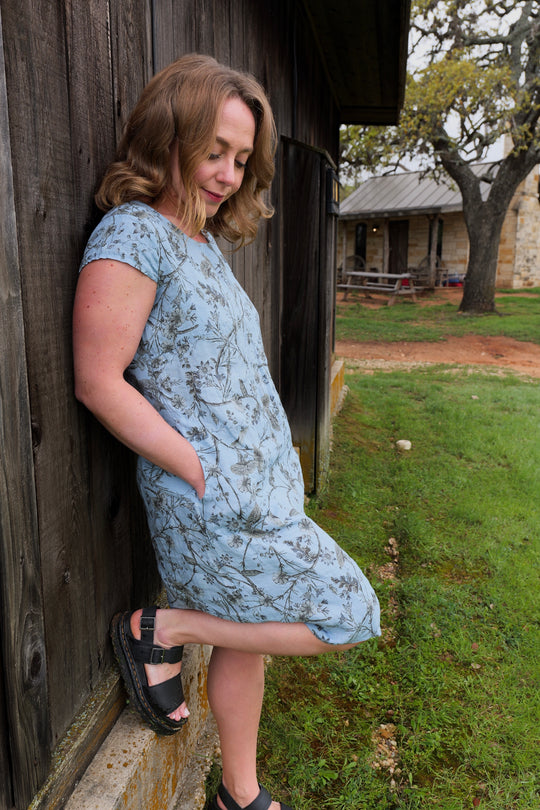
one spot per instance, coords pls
(500, 352)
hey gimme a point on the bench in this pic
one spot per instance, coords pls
(367, 281)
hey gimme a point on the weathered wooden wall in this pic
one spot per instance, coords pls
(73, 545)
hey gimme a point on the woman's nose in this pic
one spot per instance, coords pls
(227, 173)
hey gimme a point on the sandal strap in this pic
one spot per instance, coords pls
(261, 802)
(145, 651)
(148, 623)
(167, 695)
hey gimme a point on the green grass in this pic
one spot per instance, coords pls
(517, 316)
(455, 678)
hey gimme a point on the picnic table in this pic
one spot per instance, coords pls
(368, 281)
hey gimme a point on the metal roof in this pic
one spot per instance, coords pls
(406, 194)
(363, 45)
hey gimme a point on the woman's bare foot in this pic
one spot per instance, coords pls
(158, 673)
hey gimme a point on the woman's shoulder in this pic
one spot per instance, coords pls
(130, 233)
(123, 218)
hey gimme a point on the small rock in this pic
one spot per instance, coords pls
(403, 444)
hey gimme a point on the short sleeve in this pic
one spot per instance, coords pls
(126, 234)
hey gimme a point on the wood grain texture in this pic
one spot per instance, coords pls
(45, 208)
(24, 714)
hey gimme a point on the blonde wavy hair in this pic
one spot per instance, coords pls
(182, 104)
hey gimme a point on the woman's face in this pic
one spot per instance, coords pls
(221, 174)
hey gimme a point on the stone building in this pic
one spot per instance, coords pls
(398, 221)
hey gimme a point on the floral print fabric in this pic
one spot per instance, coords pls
(246, 551)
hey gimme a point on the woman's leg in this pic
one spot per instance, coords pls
(235, 680)
(235, 692)
(175, 627)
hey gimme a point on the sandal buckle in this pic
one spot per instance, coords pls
(148, 623)
(157, 655)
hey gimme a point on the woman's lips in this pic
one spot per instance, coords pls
(213, 196)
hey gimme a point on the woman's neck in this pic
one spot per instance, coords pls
(167, 206)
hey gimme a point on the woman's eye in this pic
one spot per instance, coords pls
(216, 156)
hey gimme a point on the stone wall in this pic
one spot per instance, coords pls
(527, 238)
(455, 243)
(507, 248)
(418, 240)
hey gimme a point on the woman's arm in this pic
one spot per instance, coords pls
(112, 304)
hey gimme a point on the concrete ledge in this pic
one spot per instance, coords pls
(135, 768)
(338, 389)
(192, 791)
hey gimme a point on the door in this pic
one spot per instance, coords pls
(360, 240)
(398, 246)
(307, 236)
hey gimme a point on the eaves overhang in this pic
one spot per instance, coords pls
(399, 213)
(363, 45)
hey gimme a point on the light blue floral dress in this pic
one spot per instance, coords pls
(246, 551)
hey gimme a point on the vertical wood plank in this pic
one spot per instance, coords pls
(164, 34)
(133, 66)
(278, 78)
(132, 55)
(250, 24)
(205, 31)
(96, 485)
(221, 29)
(190, 30)
(24, 685)
(6, 783)
(328, 229)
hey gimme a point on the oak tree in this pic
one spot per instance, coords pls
(474, 77)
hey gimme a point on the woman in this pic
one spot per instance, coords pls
(169, 357)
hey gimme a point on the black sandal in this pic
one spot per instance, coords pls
(261, 802)
(153, 703)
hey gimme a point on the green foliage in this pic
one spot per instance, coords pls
(479, 99)
(454, 677)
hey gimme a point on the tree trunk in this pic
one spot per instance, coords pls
(484, 220)
(484, 227)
